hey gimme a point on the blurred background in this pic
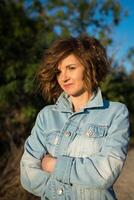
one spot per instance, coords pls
(27, 28)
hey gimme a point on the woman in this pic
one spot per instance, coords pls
(78, 145)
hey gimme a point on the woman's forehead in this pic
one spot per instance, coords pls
(69, 60)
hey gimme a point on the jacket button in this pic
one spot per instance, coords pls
(67, 134)
(59, 191)
(89, 133)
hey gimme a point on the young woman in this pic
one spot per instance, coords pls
(78, 145)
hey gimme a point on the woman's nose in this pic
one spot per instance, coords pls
(64, 76)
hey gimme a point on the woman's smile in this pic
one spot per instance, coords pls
(68, 85)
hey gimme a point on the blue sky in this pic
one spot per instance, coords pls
(123, 34)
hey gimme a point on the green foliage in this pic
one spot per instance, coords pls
(131, 55)
(119, 86)
(28, 112)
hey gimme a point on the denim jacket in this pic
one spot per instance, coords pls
(90, 147)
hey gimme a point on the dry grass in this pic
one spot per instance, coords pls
(10, 187)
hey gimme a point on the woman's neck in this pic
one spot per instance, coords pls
(80, 102)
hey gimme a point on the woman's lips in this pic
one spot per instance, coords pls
(66, 86)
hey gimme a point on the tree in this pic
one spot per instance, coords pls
(130, 55)
(118, 87)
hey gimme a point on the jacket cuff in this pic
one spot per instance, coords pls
(63, 169)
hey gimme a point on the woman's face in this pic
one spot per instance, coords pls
(70, 76)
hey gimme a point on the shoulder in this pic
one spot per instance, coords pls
(47, 108)
(45, 111)
(116, 107)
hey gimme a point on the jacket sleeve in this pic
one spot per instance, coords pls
(102, 169)
(33, 178)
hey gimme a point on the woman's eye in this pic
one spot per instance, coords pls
(72, 68)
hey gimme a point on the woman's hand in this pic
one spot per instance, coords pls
(48, 163)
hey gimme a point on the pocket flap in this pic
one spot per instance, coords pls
(95, 130)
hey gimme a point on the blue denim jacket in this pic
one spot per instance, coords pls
(90, 147)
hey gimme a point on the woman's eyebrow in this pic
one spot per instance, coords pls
(67, 66)
(70, 65)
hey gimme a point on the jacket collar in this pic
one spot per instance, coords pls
(64, 104)
(96, 100)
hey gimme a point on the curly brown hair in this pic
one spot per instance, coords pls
(87, 49)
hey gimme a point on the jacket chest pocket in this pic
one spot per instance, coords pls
(52, 140)
(96, 131)
(89, 141)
